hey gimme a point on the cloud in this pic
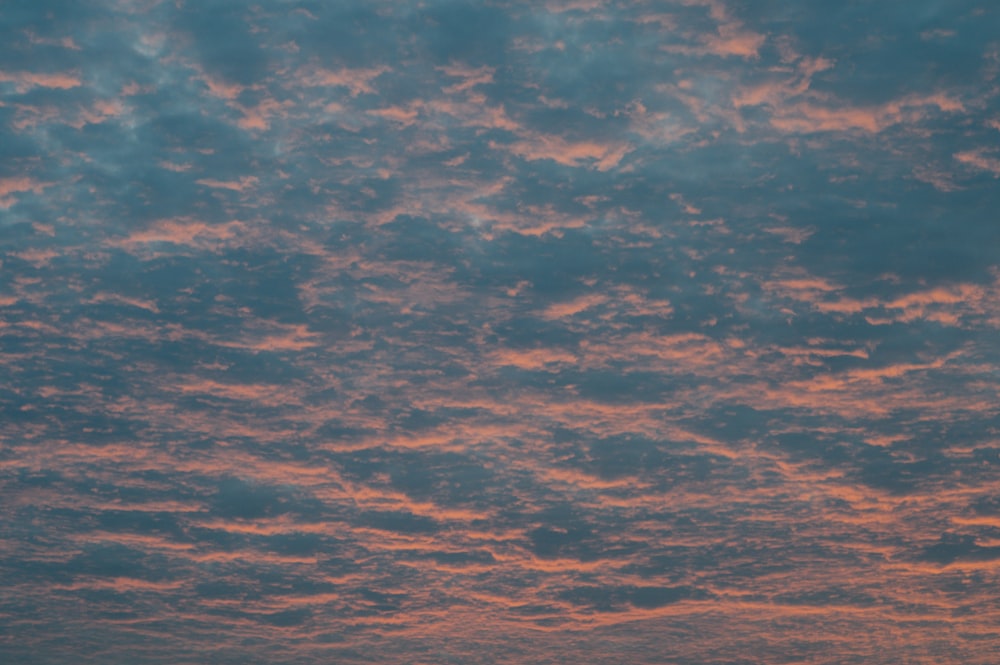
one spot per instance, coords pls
(729, 37)
(24, 81)
(11, 187)
(357, 81)
(807, 117)
(244, 183)
(978, 160)
(569, 153)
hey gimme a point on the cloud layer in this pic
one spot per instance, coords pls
(501, 332)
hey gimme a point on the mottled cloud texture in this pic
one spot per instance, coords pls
(499, 332)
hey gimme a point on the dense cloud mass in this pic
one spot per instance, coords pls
(578, 331)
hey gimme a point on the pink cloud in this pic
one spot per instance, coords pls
(534, 358)
(846, 305)
(976, 159)
(954, 305)
(731, 38)
(29, 117)
(803, 284)
(222, 89)
(10, 187)
(567, 309)
(64, 42)
(241, 185)
(358, 81)
(404, 116)
(287, 338)
(804, 118)
(734, 41)
(658, 127)
(256, 117)
(100, 111)
(267, 395)
(21, 184)
(37, 257)
(808, 116)
(474, 111)
(600, 156)
(259, 117)
(470, 77)
(177, 168)
(939, 178)
(26, 80)
(789, 234)
(183, 231)
(119, 299)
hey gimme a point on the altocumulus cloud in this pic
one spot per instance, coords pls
(499, 332)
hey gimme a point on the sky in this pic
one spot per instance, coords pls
(499, 332)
